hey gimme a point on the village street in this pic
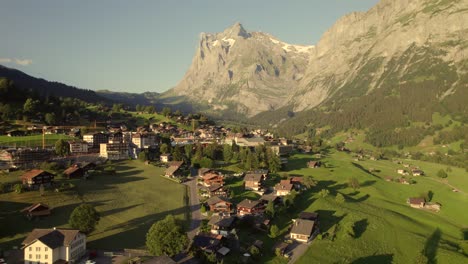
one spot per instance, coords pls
(194, 205)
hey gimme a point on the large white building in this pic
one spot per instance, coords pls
(114, 151)
(78, 147)
(47, 246)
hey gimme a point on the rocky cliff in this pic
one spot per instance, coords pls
(252, 72)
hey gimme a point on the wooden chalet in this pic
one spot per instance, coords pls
(34, 178)
(209, 243)
(221, 225)
(36, 210)
(219, 204)
(218, 190)
(303, 230)
(250, 207)
(314, 164)
(74, 171)
(212, 178)
(174, 169)
(283, 188)
(253, 181)
(416, 202)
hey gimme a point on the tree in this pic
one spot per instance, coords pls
(164, 148)
(50, 118)
(30, 106)
(349, 228)
(274, 163)
(206, 162)
(227, 153)
(442, 174)
(166, 111)
(84, 218)
(270, 209)
(254, 252)
(138, 108)
(18, 188)
(324, 193)
(421, 259)
(308, 182)
(166, 237)
(142, 156)
(339, 198)
(274, 231)
(62, 148)
(188, 151)
(177, 154)
(353, 183)
(3, 187)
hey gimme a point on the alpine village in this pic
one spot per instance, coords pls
(351, 151)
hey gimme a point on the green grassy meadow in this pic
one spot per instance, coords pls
(32, 141)
(128, 202)
(387, 229)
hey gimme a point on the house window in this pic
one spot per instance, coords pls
(38, 256)
(30, 248)
(45, 256)
(38, 249)
(45, 249)
(30, 256)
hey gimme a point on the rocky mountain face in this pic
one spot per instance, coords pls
(248, 72)
(396, 42)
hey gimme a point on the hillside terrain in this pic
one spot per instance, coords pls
(391, 67)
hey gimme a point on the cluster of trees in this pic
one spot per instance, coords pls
(453, 135)
(21, 104)
(205, 155)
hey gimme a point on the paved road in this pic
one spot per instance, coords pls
(298, 249)
(194, 204)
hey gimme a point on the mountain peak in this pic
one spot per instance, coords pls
(236, 30)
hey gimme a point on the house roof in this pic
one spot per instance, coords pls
(303, 227)
(215, 187)
(416, 200)
(285, 182)
(202, 171)
(53, 238)
(246, 203)
(223, 251)
(71, 169)
(176, 163)
(216, 199)
(34, 207)
(210, 176)
(253, 177)
(221, 221)
(171, 170)
(285, 187)
(33, 173)
(269, 197)
(207, 241)
(296, 179)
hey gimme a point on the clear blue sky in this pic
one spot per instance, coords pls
(138, 46)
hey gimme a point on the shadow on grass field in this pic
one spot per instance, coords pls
(375, 259)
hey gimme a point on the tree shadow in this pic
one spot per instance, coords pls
(464, 233)
(118, 210)
(358, 200)
(132, 234)
(377, 259)
(328, 219)
(359, 166)
(367, 183)
(360, 227)
(432, 243)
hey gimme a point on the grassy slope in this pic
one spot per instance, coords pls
(128, 203)
(155, 118)
(388, 229)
